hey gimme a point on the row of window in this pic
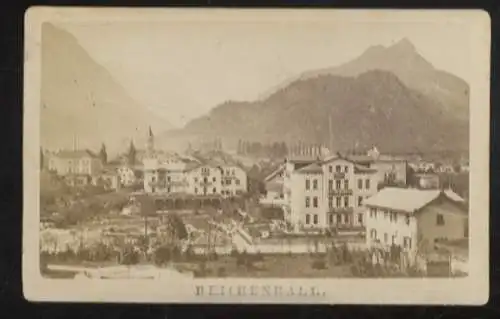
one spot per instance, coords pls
(339, 218)
(338, 184)
(338, 202)
(205, 191)
(338, 169)
(314, 184)
(391, 215)
(367, 183)
(308, 202)
(406, 239)
(230, 172)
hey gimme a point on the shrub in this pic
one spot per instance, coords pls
(221, 272)
(319, 264)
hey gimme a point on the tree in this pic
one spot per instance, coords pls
(131, 155)
(240, 147)
(103, 155)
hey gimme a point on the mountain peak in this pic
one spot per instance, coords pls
(403, 45)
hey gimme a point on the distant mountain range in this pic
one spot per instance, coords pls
(80, 98)
(390, 97)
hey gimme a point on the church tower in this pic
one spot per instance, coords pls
(150, 145)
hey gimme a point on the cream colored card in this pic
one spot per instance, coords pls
(256, 156)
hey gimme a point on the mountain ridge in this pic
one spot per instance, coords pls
(80, 100)
(403, 59)
(373, 108)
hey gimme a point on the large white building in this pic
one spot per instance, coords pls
(326, 193)
(177, 175)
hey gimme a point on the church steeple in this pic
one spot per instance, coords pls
(150, 143)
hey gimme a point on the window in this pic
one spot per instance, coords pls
(196, 179)
(339, 219)
(439, 220)
(168, 190)
(346, 219)
(330, 169)
(237, 182)
(360, 184)
(367, 184)
(407, 242)
(337, 168)
(373, 234)
(346, 201)
(337, 184)
(330, 218)
(307, 201)
(315, 184)
(228, 182)
(330, 202)
(386, 237)
(360, 201)
(338, 202)
(205, 180)
(360, 218)
(407, 220)
(395, 217)
(308, 184)
(346, 184)
(308, 219)
(330, 185)
(315, 219)
(346, 168)
(196, 190)
(386, 214)
(315, 202)
(214, 179)
(214, 190)
(373, 213)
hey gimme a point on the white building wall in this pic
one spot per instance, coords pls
(380, 220)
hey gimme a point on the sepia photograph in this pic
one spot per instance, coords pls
(221, 155)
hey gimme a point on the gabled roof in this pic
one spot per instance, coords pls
(70, 154)
(408, 199)
(360, 158)
(314, 168)
(280, 169)
(301, 158)
(363, 169)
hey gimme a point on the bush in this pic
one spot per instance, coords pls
(319, 263)
(221, 272)
(162, 255)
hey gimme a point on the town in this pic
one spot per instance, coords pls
(272, 210)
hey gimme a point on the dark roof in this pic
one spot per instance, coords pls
(361, 158)
(275, 172)
(362, 169)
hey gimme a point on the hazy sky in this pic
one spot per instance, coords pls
(184, 69)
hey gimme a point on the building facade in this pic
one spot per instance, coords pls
(328, 193)
(77, 162)
(414, 219)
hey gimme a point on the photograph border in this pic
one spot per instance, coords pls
(471, 290)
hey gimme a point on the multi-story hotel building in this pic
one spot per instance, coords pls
(75, 162)
(326, 193)
(175, 175)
